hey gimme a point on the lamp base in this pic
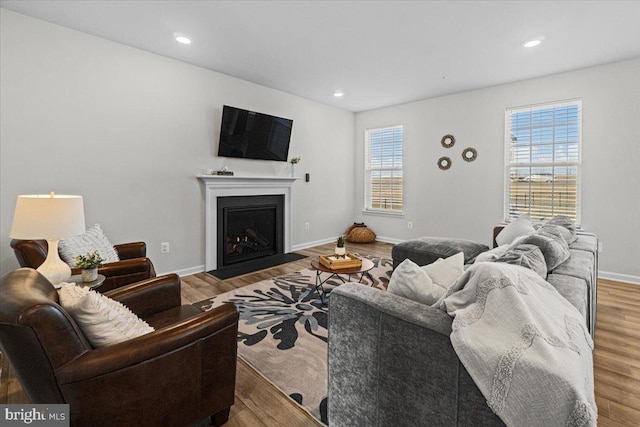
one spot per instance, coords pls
(53, 268)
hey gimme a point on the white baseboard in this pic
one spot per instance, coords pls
(185, 271)
(312, 244)
(331, 239)
(627, 278)
(391, 240)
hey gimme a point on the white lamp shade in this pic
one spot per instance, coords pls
(47, 216)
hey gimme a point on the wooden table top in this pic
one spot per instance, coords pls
(366, 266)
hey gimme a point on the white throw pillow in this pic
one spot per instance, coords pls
(513, 230)
(445, 272)
(103, 321)
(412, 282)
(94, 239)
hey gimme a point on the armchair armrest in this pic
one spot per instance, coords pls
(95, 363)
(149, 296)
(122, 268)
(131, 250)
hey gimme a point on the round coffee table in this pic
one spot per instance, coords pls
(363, 270)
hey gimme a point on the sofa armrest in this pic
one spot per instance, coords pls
(149, 296)
(131, 250)
(390, 360)
(92, 364)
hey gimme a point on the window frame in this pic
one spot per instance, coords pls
(368, 169)
(508, 164)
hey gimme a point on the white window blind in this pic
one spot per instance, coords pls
(383, 169)
(543, 161)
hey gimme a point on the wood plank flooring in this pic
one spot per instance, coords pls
(258, 403)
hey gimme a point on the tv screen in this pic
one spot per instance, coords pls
(252, 135)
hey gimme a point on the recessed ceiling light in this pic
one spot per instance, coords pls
(181, 38)
(338, 94)
(532, 43)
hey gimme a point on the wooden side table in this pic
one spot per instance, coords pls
(77, 279)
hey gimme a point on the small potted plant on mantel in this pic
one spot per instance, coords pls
(294, 161)
(340, 250)
(89, 264)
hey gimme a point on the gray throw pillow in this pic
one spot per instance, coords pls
(553, 231)
(528, 256)
(568, 227)
(551, 244)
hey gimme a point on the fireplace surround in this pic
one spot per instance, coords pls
(215, 187)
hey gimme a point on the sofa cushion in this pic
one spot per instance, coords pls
(572, 289)
(425, 250)
(553, 246)
(103, 320)
(444, 272)
(492, 254)
(410, 281)
(568, 227)
(585, 242)
(579, 265)
(513, 230)
(426, 284)
(528, 256)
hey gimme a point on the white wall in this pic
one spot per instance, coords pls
(467, 200)
(129, 130)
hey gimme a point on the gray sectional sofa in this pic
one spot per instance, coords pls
(391, 362)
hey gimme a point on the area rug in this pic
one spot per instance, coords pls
(282, 331)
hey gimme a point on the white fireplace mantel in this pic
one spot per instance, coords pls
(225, 186)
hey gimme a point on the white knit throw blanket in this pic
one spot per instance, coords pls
(525, 346)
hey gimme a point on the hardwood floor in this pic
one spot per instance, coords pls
(258, 403)
(616, 357)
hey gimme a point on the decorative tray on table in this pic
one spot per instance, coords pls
(336, 262)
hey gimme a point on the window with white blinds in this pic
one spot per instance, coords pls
(543, 161)
(383, 169)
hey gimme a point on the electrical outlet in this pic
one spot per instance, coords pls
(164, 247)
(410, 224)
(307, 226)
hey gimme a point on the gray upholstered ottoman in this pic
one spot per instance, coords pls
(426, 250)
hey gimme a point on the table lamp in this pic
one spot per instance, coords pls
(50, 217)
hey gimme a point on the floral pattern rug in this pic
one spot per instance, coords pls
(282, 330)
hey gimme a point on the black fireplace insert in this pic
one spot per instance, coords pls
(249, 227)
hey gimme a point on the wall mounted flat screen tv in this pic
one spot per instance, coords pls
(251, 135)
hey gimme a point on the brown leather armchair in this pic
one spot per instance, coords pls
(181, 373)
(133, 266)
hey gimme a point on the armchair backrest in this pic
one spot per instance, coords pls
(30, 253)
(36, 333)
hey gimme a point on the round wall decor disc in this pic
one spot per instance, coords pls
(444, 163)
(448, 141)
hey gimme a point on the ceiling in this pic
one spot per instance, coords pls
(379, 53)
